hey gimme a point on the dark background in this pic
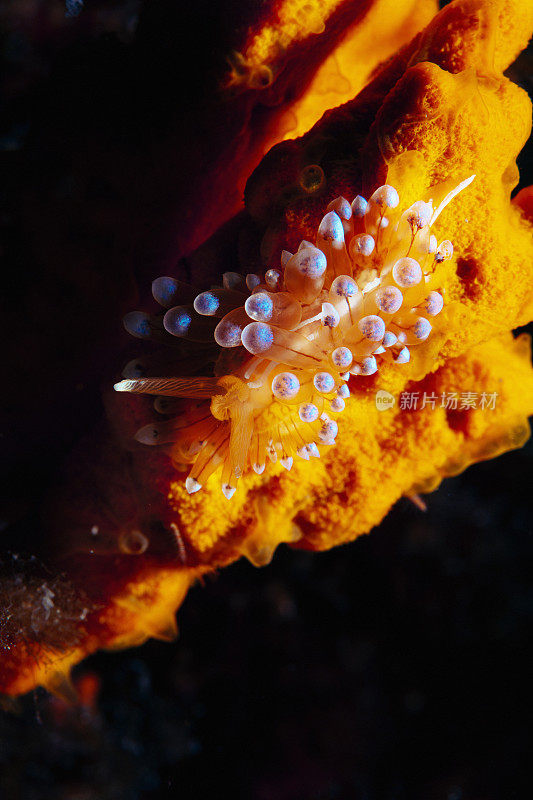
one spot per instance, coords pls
(397, 667)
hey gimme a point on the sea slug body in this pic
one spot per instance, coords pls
(334, 311)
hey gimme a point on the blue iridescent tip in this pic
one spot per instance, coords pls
(177, 321)
(206, 303)
(137, 323)
(165, 291)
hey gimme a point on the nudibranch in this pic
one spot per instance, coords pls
(292, 339)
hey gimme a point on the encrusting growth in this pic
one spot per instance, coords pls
(291, 339)
(440, 107)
